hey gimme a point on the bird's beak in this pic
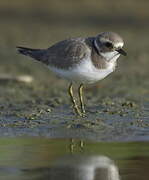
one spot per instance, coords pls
(121, 51)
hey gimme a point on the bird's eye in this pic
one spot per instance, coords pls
(108, 44)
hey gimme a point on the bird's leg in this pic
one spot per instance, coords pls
(80, 91)
(81, 145)
(75, 106)
(72, 146)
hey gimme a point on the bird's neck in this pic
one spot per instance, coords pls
(110, 56)
(95, 46)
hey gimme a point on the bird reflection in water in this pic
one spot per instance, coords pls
(76, 167)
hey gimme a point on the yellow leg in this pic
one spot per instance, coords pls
(80, 91)
(75, 106)
(81, 145)
(72, 145)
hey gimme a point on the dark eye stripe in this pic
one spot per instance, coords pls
(108, 44)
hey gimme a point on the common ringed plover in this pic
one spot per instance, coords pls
(81, 60)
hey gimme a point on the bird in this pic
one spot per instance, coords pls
(84, 60)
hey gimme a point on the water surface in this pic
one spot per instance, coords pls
(40, 158)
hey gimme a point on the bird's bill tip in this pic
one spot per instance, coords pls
(122, 52)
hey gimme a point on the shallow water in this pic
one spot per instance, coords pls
(40, 158)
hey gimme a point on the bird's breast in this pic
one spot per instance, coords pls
(84, 72)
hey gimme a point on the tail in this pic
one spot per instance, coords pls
(37, 54)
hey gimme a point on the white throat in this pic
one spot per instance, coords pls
(110, 56)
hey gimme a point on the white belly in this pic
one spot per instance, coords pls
(85, 72)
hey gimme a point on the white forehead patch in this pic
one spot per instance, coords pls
(118, 44)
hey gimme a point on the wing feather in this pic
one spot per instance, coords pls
(67, 53)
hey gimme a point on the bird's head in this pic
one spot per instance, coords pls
(109, 44)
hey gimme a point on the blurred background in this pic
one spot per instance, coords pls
(39, 24)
